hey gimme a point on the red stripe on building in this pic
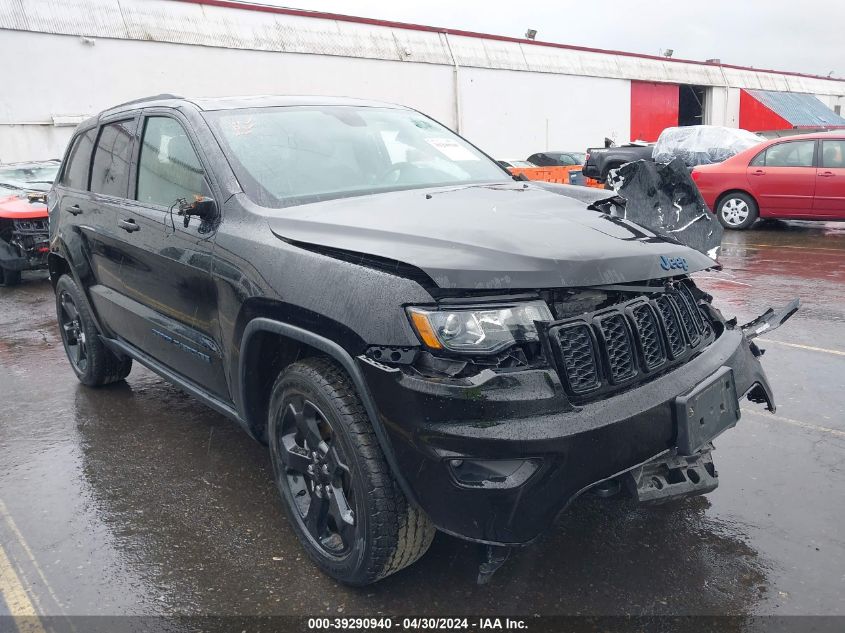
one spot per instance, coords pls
(263, 8)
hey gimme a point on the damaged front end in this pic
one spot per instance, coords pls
(559, 346)
(628, 383)
(24, 244)
(24, 236)
(611, 387)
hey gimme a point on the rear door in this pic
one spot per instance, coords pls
(109, 186)
(830, 180)
(783, 178)
(86, 217)
(168, 299)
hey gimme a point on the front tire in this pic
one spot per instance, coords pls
(346, 508)
(737, 211)
(92, 362)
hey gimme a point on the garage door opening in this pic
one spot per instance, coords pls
(691, 104)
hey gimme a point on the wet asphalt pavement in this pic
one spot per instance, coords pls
(136, 499)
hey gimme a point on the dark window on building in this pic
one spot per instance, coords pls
(691, 104)
(833, 154)
(168, 168)
(791, 154)
(110, 170)
(75, 173)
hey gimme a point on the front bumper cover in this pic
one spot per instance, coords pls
(550, 450)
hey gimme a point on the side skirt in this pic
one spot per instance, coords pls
(170, 376)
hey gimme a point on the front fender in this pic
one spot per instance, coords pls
(345, 360)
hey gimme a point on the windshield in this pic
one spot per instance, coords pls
(38, 176)
(294, 155)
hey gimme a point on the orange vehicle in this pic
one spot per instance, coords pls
(559, 175)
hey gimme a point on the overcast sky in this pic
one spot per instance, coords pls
(804, 36)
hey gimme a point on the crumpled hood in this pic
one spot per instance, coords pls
(493, 236)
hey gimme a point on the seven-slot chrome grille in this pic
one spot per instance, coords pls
(629, 342)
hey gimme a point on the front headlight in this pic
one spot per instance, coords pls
(481, 330)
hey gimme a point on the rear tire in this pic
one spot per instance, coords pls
(347, 510)
(737, 211)
(92, 362)
(9, 277)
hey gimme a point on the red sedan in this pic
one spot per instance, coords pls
(794, 177)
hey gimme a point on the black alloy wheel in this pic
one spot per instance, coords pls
(92, 362)
(73, 334)
(347, 510)
(313, 465)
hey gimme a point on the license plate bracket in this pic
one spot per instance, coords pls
(706, 411)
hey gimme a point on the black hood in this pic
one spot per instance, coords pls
(491, 236)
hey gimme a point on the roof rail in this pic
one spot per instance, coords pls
(143, 99)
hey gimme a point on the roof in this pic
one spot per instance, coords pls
(835, 134)
(269, 101)
(798, 109)
(255, 101)
(271, 29)
(252, 6)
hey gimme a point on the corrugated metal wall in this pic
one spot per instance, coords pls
(513, 98)
(205, 25)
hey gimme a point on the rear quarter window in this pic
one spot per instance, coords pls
(75, 174)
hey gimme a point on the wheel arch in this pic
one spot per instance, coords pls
(296, 343)
(57, 265)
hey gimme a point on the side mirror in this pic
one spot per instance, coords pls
(202, 207)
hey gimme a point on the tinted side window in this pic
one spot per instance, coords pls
(791, 154)
(833, 154)
(75, 174)
(759, 160)
(110, 170)
(168, 168)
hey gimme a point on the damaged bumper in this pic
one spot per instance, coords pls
(495, 458)
(23, 245)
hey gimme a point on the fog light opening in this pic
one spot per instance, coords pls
(492, 473)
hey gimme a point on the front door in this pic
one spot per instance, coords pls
(783, 179)
(830, 180)
(167, 295)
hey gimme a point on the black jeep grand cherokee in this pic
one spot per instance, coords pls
(423, 342)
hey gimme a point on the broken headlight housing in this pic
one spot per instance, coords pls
(479, 329)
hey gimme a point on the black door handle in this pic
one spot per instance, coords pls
(129, 225)
(74, 210)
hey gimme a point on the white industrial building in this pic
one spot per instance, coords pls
(66, 59)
